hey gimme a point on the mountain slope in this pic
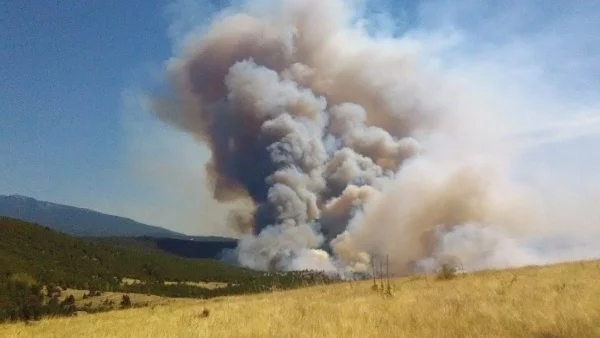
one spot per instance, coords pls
(77, 221)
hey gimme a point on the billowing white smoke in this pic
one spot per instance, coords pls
(347, 144)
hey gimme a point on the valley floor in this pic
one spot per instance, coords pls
(550, 302)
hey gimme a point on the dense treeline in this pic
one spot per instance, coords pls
(260, 283)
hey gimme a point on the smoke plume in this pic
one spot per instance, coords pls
(348, 146)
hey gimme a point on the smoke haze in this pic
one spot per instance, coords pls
(345, 142)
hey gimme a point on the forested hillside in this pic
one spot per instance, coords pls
(50, 256)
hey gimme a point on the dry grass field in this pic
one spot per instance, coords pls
(560, 301)
(112, 296)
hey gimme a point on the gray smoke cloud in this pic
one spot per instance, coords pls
(347, 146)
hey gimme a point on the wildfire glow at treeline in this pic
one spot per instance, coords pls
(347, 146)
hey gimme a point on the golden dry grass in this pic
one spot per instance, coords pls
(550, 302)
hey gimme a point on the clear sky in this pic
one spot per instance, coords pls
(67, 69)
(64, 65)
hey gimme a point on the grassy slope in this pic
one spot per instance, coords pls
(550, 302)
(96, 302)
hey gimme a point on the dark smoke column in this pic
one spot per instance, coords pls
(295, 122)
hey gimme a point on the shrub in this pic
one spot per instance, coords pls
(52, 290)
(125, 301)
(389, 291)
(67, 306)
(68, 301)
(53, 306)
(446, 272)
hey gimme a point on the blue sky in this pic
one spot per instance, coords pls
(69, 73)
(64, 67)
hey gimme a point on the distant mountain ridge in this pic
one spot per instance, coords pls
(82, 222)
